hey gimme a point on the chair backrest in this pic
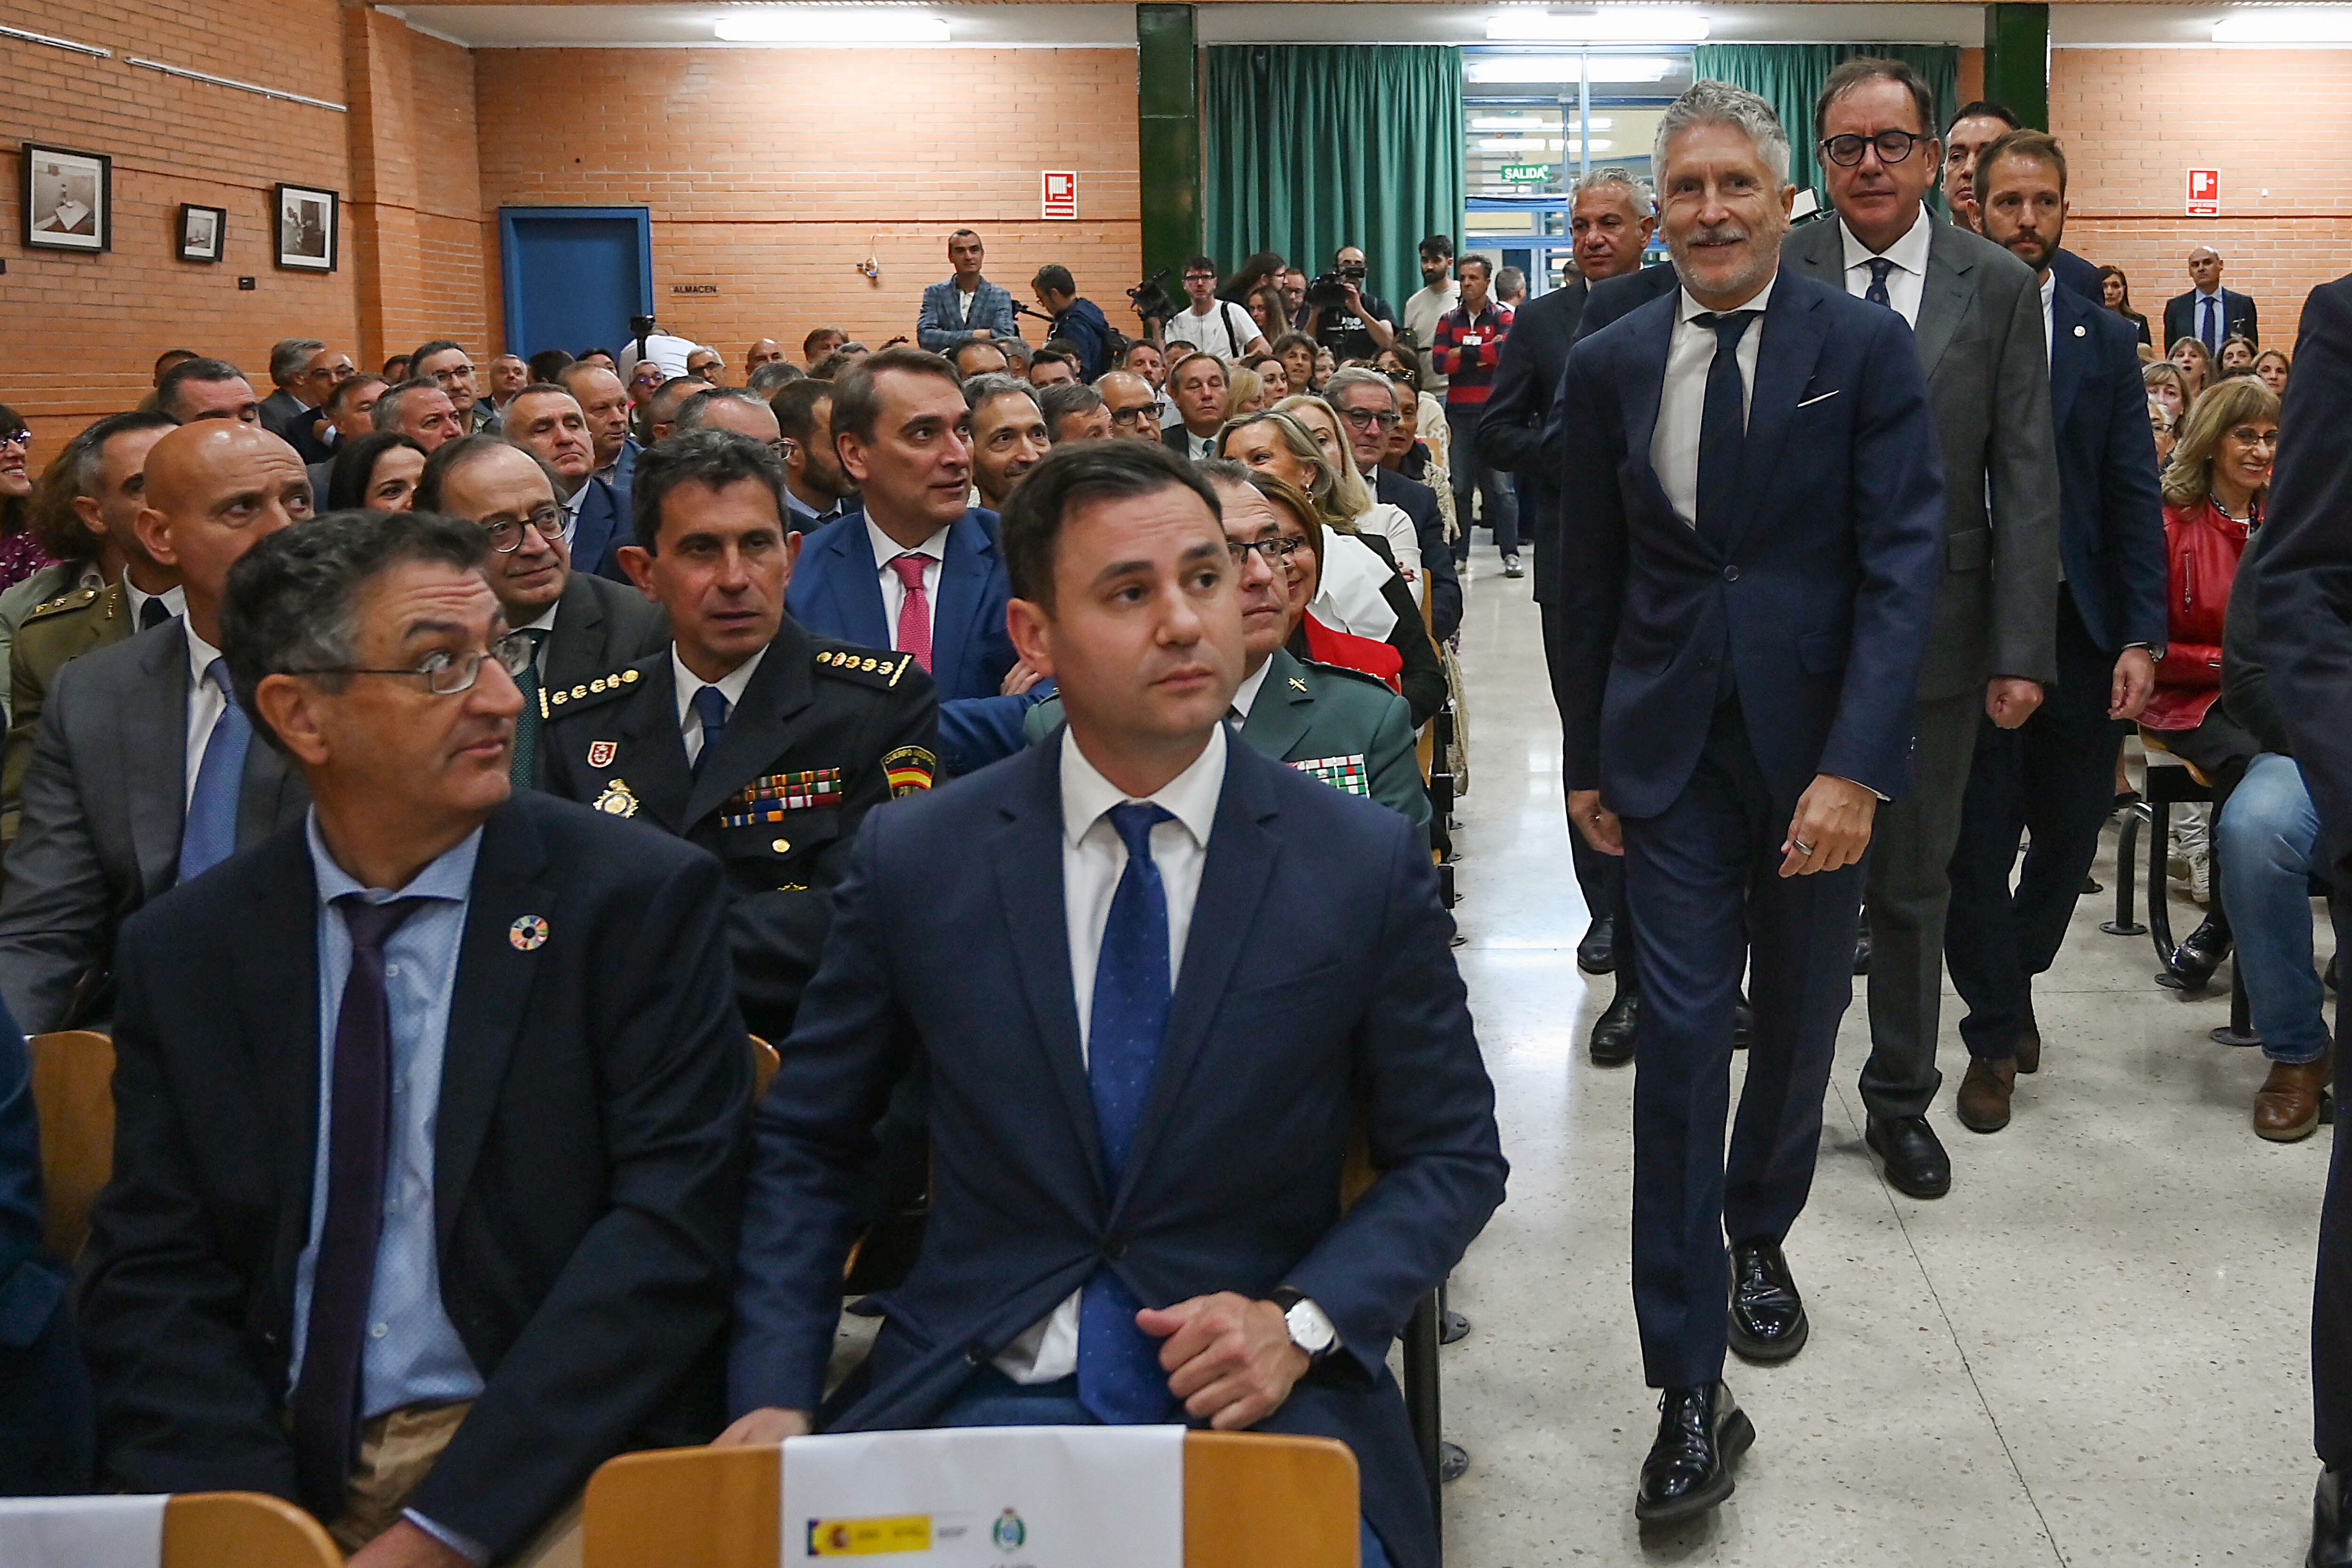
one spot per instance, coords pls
(242, 1530)
(73, 1094)
(1251, 1500)
(764, 1063)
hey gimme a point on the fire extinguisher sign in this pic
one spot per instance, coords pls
(1061, 192)
(2204, 193)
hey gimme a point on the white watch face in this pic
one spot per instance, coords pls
(1310, 1330)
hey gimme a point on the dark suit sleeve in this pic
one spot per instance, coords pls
(813, 1138)
(2245, 683)
(53, 912)
(1898, 513)
(30, 1288)
(1510, 428)
(2022, 471)
(2133, 523)
(2254, 326)
(1431, 1121)
(1591, 580)
(643, 1295)
(2305, 574)
(1423, 676)
(182, 1406)
(1437, 560)
(977, 731)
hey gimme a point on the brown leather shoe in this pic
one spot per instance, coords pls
(2029, 1040)
(1984, 1094)
(2287, 1107)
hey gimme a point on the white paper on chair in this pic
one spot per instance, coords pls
(1008, 1497)
(82, 1532)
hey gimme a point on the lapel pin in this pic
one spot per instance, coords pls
(1298, 683)
(2081, 330)
(601, 753)
(529, 933)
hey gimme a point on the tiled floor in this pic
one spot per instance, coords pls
(2092, 1351)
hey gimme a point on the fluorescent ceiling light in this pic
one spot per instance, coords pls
(1625, 25)
(829, 24)
(2285, 25)
(1531, 122)
(1564, 67)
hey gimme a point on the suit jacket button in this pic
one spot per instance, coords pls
(1731, 574)
(1116, 1248)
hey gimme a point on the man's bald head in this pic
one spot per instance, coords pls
(212, 489)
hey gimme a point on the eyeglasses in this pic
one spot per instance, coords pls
(446, 674)
(22, 438)
(453, 372)
(506, 533)
(1130, 415)
(1273, 551)
(1894, 146)
(1364, 418)
(2253, 438)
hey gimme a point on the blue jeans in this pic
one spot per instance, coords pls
(993, 1399)
(2263, 846)
(1472, 475)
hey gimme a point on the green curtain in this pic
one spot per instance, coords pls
(1789, 76)
(1312, 147)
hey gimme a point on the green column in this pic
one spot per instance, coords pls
(2017, 60)
(1168, 91)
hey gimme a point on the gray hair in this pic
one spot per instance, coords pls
(290, 357)
(995, 383)
(696, 408)
(1637, 191)
(1065, 399)
(774, 376)
(290, 601)
(385, 415)
(1356, 375)
(1711, 102)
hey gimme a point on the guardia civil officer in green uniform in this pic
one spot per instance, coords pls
(1344, 727)
(747, 736)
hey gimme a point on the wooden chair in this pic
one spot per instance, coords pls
(73, 1096)
(1251, 1500)
(242, 1530)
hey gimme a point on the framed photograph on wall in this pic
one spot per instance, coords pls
(69, 199)
(306, 228)
(202, 232)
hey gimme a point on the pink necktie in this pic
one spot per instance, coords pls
(915, 609)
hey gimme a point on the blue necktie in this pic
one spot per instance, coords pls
(2212, 338)
(209, 835)
(1723, 426)
(1877, 293)
(1119, 1379)
(710, 707)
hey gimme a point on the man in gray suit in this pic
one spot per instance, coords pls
(1976, 316)
(110, 818)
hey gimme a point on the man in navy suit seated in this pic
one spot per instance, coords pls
(547, 420)
(46, 1437)
(1745, 608)
(918, 570)
(1185, 974)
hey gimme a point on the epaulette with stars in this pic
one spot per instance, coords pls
(1340, 669)
(865, 666)
(73, 599)
(587, 693)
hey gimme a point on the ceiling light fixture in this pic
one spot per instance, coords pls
(830, 25)
(2285, 25)
(1627, 25)
(1500, 68)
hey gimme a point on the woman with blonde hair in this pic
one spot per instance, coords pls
(1364, 512)
(2169, 386)
(2196, 366)
(1245, 393)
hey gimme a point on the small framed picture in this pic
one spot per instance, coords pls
(306, 228)
(69, 199)
(201, 232)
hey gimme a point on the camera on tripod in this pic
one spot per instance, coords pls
(1151, 298)
(1330, 292)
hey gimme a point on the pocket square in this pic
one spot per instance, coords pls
(1820, 397)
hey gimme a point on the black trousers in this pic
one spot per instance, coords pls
(1703, 882)
(2053, 777)
(1601, 878)
(2331, 1300)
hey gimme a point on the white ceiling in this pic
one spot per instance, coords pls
(1093, 25)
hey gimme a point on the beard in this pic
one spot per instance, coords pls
(1760, 256)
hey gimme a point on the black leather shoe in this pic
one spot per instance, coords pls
(2331, 1522)
(1743, 1025)
(1861, 947)
(1612, 1031)
(1767, 1317)
(1597, 953)
(2195, 960)
(1700, 1431)
(1916, 1161)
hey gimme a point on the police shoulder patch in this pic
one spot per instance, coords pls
(558, 701)
(869, 667)
(1342, 671)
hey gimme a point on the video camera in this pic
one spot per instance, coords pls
(1152, 300)
(1330, 292)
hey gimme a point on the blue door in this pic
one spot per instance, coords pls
(574, 275)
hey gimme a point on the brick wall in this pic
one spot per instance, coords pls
(772, 173)
(2134, 120)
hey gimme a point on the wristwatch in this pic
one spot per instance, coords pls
(1310, 1329)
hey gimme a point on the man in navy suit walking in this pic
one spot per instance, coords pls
(1747, 609)
(1161, 1023)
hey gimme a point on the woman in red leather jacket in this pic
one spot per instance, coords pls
(2214, 491)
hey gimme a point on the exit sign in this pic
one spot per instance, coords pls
(1527, 174)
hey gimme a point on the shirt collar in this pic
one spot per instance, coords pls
(1692, 308)
(1246, 694)
(885, 547)
(449, 876)
(201, 653)
(1191, 797)
(2049, 290)
(1909, 253)
(2207, 294)
(730, 685)
(545, 621)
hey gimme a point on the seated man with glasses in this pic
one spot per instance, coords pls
(1345, 728)
(579, 626)
(1134, 405)
(380, 1235)
(448, 366)
(548, 421)
(746, 735)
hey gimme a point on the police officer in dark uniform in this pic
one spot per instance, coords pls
(747, 735)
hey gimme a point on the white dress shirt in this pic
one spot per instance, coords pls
(1682, 397)
(546, 623)
(1094, 857)
(894, 592)
(1245, 695)
(176, 600)
(205, 705)
(1908, 280)
(2049, 316)
(731, 686)
(572, 505)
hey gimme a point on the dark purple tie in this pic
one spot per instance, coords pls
(342, 1277)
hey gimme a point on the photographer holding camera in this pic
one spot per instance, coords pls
(1344, 319)
(1078, 321)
